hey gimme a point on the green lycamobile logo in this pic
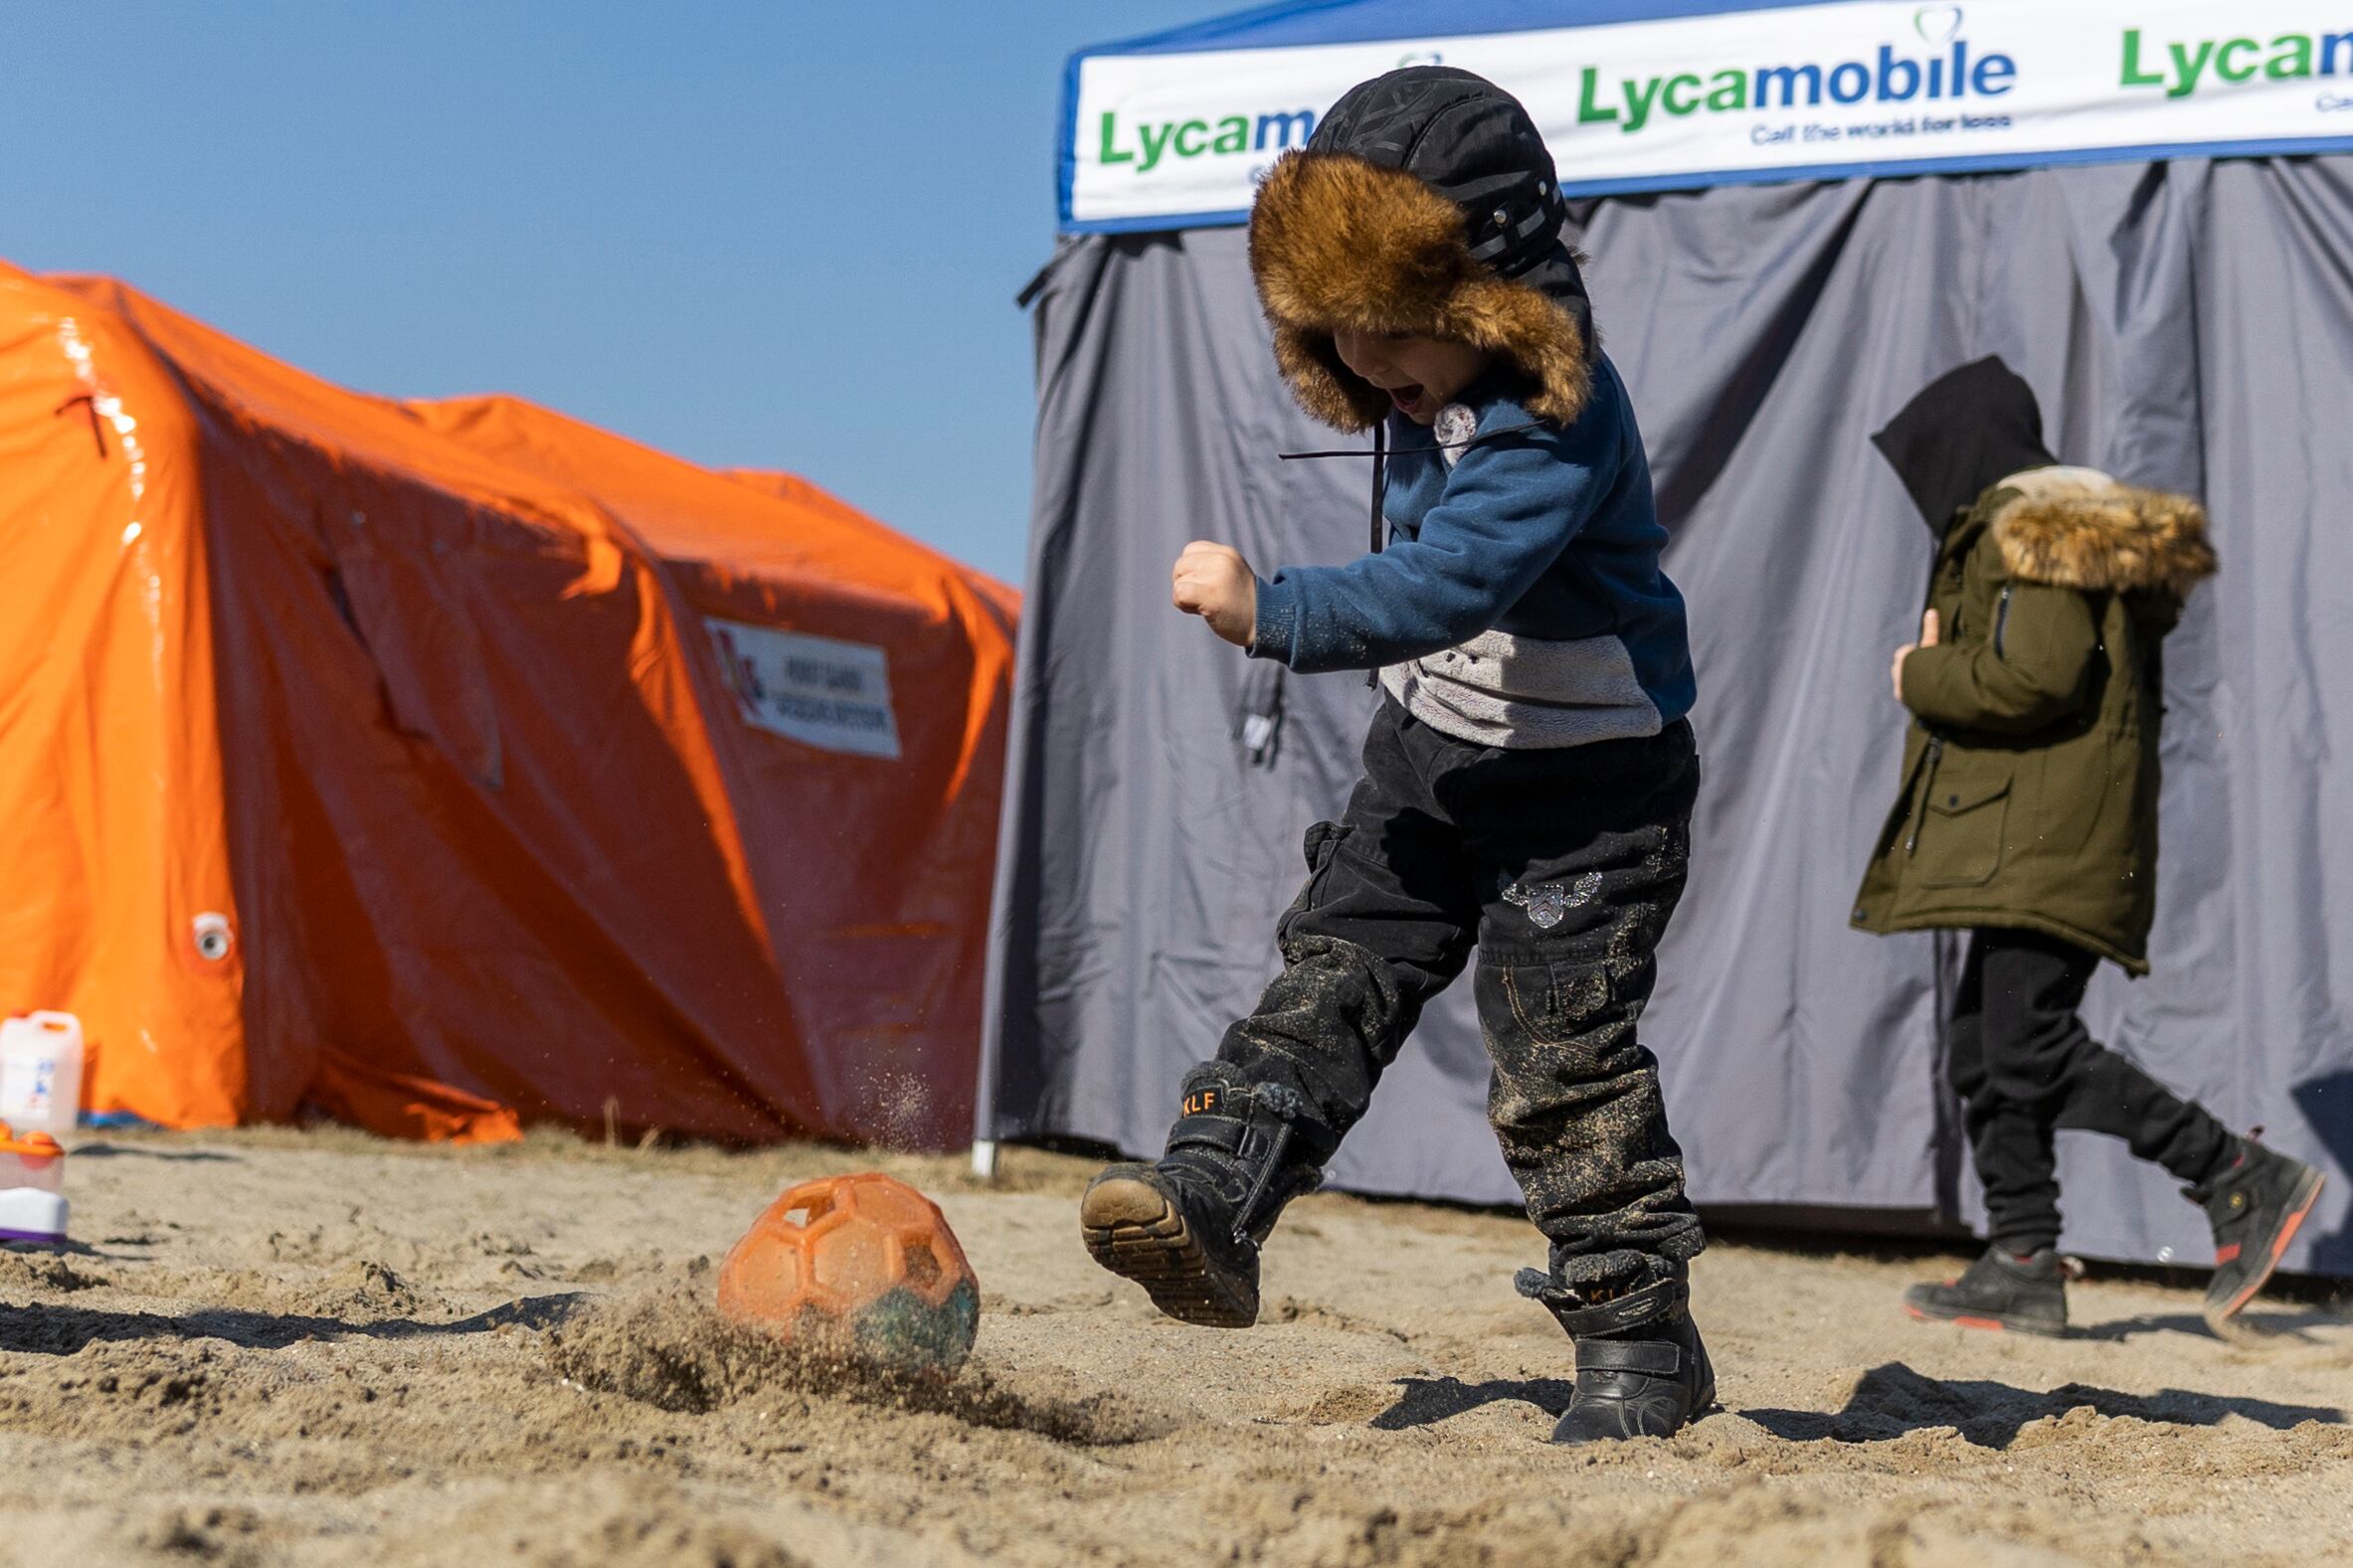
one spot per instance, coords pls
(1146, 144)
(1950, 74)
(2182, 68)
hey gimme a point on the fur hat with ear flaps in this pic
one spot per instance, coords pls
(1424, 204)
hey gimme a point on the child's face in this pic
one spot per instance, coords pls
(1421, 374)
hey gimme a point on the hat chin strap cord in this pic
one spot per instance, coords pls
(1381, 492)
(1380, 475)
(1379, 451)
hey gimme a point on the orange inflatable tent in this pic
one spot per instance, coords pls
(444, 766)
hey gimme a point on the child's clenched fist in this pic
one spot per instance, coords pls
(1214, 583)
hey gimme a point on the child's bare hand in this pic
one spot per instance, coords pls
(1214, 583)
(1928, 641)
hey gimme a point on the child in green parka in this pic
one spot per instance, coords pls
(2028, 818)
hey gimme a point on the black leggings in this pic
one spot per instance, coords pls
(2025, 1066)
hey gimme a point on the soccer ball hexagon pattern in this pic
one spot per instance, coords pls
(862, 1265)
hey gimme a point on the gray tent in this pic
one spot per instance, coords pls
(2188, 322)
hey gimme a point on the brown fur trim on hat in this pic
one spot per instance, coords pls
(2077, 528)
(1338, 241)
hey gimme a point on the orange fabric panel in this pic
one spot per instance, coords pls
(400, 1106)
(438, 720)
(111, 797)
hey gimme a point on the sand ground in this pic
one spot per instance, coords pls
(318, 1349)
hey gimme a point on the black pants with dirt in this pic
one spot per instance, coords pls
(2025, 1066)
(1562, 866)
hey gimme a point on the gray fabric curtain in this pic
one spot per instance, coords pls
(2187, 325)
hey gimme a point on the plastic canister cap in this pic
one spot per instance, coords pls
(29, 1145)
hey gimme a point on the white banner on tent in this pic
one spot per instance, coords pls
(1795, 92)
(819, 691)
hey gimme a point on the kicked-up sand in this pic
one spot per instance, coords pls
(289, 1347)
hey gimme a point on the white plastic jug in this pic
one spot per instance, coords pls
(40, 1073)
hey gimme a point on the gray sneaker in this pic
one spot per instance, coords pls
(2256, 1207)
(2000, 1291)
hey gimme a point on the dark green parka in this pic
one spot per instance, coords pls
(2028, 794)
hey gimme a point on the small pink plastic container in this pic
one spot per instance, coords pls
(32, 1186)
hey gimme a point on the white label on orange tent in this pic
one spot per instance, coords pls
(819, 691)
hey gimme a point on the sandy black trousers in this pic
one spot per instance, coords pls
(1562, 866)
(2025, 1066)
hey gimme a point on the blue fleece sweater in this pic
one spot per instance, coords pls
(1543, 533)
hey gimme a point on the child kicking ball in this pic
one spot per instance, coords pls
(1527, 780)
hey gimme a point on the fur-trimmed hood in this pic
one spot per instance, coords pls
(1425, 205)
(2078, 528)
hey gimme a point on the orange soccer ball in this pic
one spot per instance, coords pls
(861, 1266)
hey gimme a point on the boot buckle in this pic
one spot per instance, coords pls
(1652, 1357)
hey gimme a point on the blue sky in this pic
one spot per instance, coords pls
(780, 236)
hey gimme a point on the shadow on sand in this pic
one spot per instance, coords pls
(1425, 1401)
(63, 1331)
(200, 1156)
(2247, 1328)
(1892, 1400)
(1888, 1402)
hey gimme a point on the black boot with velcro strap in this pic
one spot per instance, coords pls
(1188, 1228)
(1642, 1371)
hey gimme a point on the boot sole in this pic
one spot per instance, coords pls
(2299, 1205)
(1134, 1231)
(1991, 1324)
